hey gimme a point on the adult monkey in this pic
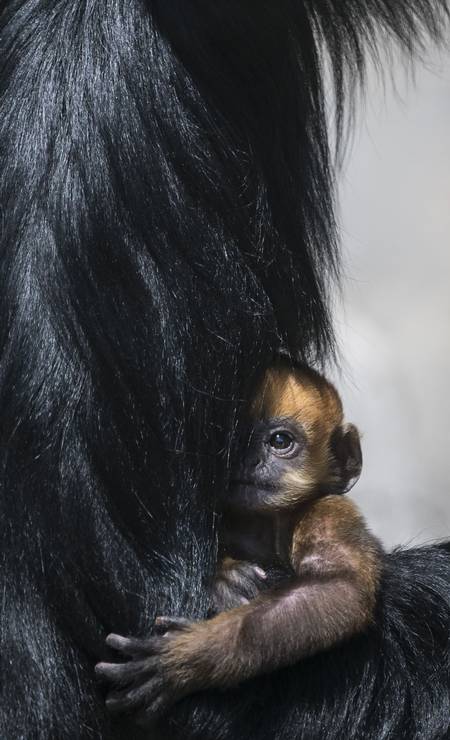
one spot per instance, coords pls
(167, 223)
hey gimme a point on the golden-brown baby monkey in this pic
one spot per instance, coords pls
(282, 509)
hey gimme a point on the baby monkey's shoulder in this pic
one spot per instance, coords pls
(328, 516)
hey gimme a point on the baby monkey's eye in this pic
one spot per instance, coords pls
(281, 442)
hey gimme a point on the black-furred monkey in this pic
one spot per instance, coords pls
(167, 219)
(282, 509)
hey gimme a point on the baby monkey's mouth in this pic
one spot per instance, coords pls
(243, 483)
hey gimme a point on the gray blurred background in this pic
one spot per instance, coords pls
(394, 321)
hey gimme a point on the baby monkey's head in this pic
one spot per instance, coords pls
(299, 447)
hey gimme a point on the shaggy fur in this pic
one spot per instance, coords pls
(167, 223)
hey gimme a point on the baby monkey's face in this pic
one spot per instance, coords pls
(275, 448)
(298, 447)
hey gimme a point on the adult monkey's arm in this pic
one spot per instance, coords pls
(167, 222)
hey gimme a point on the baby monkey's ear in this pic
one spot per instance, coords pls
(346, 449)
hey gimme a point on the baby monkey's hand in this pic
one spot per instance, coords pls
(149, 682)
(237, 582)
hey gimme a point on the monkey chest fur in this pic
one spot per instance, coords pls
(256, 537)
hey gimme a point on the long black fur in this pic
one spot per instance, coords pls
(167, 224)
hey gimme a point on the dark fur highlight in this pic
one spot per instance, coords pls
(167, 223)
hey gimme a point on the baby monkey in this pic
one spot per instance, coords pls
(282, 510)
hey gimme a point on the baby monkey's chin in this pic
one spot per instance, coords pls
(251, 496)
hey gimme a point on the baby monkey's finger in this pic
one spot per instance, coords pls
(168, 624)
(134, 697)
(133, 647)
(123, 673)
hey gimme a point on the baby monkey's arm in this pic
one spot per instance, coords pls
(331, 597)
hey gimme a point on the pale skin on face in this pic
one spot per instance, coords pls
(334, 559)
